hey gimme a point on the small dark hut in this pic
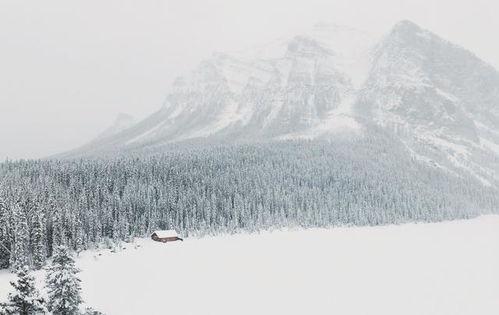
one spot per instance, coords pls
(166, 236)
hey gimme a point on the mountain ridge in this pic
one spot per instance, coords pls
(440, 100)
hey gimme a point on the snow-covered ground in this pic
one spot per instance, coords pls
(441, 268)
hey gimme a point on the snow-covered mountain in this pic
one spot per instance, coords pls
(301, 86)
(439, 99)
(122, 122)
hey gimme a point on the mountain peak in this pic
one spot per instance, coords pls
(406, 25)
(321, 83)
(408, 30)
(302, 45)
(409, 34)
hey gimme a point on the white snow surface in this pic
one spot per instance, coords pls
(440, 268)
(145, 134)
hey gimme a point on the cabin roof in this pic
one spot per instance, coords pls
(166, 233)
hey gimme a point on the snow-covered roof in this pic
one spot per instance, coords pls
(166, 233)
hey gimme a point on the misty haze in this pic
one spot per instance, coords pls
(237, 157)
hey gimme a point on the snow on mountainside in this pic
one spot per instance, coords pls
(303, 86)
(122, 122)
(439, 99)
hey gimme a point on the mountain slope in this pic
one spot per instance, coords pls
(286, 89)
(122, 122)
(439, 99)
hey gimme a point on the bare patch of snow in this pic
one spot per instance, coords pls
(494, 147)
(446, 95)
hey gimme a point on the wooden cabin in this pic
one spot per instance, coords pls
(165, 236)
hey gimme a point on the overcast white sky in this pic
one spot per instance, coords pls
(67, 68)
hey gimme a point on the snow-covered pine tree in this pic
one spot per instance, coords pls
(25, 300)
(4, 235)
(38, 238)
(63, 286)
(20, 254)
(79, 237)
(58, 234)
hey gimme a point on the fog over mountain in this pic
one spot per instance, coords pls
(122, 122)
(67, 70)
(438, 99)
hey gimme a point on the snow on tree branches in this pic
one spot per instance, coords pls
(25, 300)
(62, 284)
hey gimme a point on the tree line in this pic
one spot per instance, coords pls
(223, 189)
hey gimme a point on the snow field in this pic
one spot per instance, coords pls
(440, 268)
